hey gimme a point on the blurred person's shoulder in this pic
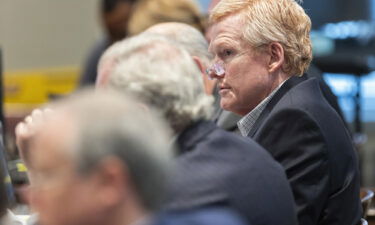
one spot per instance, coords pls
(10, 219)
(201, 216)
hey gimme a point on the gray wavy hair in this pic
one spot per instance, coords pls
(187, 36)
(161, 73)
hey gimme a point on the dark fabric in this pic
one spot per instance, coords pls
(227, 120)
(306, 135)
(90, 69)
(216, 167)
(7, 197)
(313, 71)
(203, 216)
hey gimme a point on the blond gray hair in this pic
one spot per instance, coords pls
(267, 21)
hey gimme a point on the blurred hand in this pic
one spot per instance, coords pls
(26, 130)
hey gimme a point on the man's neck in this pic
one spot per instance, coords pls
(279, 78)
(128, 215)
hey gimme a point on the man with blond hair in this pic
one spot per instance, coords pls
(262, 49)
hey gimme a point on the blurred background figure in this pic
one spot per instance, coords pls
(114, 16)
(95, 168)
(121, 18)
(151, 12)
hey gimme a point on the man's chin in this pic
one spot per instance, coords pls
(231, 108)
(228, 106)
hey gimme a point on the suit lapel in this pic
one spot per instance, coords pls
(289, 84)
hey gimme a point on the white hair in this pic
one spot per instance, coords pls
(163, 74)
(187, 36)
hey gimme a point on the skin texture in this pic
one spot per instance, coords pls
(250, 76)
(54, 179)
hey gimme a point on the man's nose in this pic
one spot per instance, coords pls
(215, 71)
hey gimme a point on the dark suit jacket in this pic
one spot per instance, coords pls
(216, 167)
(201, 216)
(306, 135)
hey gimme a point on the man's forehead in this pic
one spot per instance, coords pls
(55, 133)
(228, 29)
(235, 20)
(48, 150)
(59, 118)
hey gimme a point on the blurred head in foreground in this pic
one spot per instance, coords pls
(92, 165)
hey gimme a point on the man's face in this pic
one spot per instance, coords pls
(58, 193)
(247, 80)
(115, 22)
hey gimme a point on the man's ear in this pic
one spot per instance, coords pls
(209, 84)
(276, 52)
(112, 179)
(199, 63)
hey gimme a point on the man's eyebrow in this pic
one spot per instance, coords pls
(213, 47)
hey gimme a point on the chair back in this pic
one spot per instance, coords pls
(366, 198)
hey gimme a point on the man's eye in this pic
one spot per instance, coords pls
(227, 52)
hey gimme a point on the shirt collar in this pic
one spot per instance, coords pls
(247, 122)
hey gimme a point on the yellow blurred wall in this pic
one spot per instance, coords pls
(44, 44)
